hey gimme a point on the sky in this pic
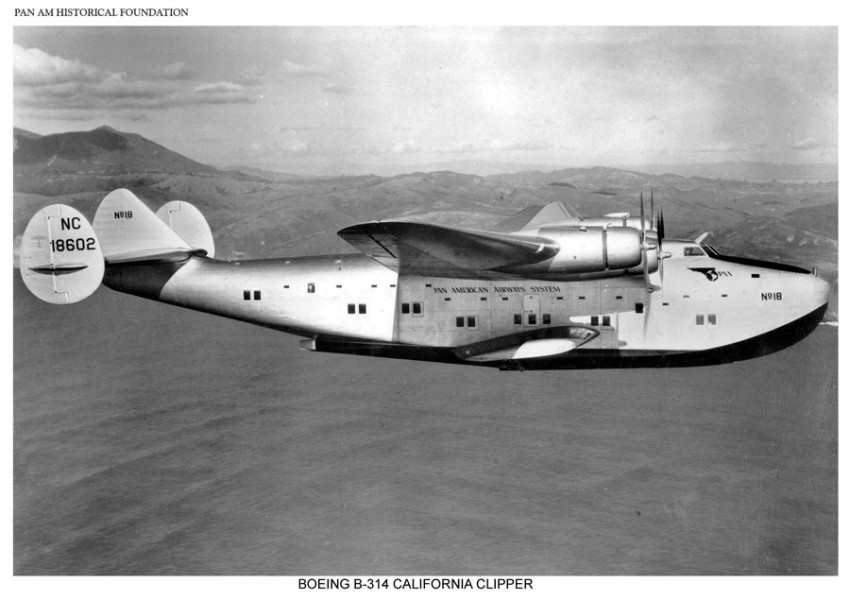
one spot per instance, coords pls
(330, 100)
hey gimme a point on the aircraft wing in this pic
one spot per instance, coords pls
(411, 248)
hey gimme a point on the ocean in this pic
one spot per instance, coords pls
(150, 439)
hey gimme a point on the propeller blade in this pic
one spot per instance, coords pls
(654, 223)
(643, 246)
(661, 270)
(660, 225)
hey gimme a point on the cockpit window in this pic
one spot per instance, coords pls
(712, 252)
(694, 251)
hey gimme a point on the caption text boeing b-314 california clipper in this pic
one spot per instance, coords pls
(545, 290)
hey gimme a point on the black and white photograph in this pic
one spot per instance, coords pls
(396, 301)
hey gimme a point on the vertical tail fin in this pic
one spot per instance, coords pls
(129, 230)
(187, 221)
(61, 260)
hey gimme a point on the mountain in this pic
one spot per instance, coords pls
(257, 213)
(750, 171)
(24, 134)
(101, 150)
(605, 180)
(45, 164)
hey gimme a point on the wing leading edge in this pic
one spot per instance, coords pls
(422, 249)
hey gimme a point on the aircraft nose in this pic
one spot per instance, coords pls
(820, 291)
(813, 292)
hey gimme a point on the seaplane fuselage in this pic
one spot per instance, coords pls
(545, 289)
(709, 310)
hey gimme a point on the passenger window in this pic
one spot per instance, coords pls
(639, 308)
(712, 319)
(405, 308)
(246, 295)
(417, 308)
(517, 319)
(257, 295)
(594, 321)
(471, 323)
(606, 321)
(351, 309)
(311, 288)
(547, 319)
(458, 321)
(532, 319)
(361, 308)
(700, 319)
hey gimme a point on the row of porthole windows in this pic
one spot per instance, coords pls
(712, 319)
(357, 309)
(415, 306)
(605, 319)
(545, 318)
(311, 287)
(471, 322)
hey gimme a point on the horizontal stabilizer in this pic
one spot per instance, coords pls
(61, 260)
(126, 227)
(147, 256)
(411, 248)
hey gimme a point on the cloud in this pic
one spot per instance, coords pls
(730, 147)
(807, 144)
(252, 76)
(301, 70)
(406, 147)
(50, 83)
(489, 145)
(221, 86)
(287, 145)
(222, 92)
(336, 88)
(178, 70)
(34, 67)
(297, 147)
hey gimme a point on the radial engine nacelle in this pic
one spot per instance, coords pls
(591, 251)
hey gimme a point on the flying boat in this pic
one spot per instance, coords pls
(545, 289)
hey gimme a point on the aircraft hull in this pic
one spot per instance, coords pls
(767, 343)
(708, 311)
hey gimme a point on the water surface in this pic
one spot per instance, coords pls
(153, 440)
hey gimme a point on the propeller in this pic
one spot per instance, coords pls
(659, 228)
(644, 247)
(654, 223)
(659, 234)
